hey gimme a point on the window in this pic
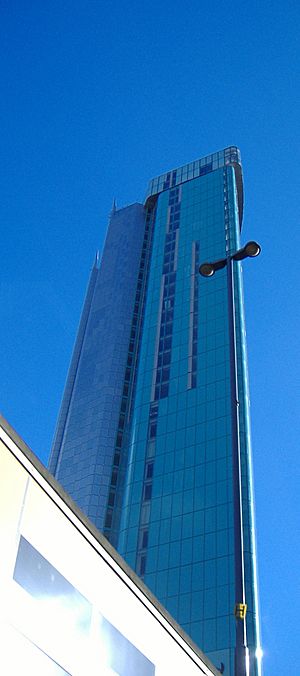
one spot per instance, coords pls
(168, 343)
(111, 499)
(153, 410)
(108, 519)
(114, 477)
(152, 430)
(117, 459)
(151, 448)
(164, 390)
(147, 491)
(149, 470)
(142, 565)
(144, 539)
(145, 513)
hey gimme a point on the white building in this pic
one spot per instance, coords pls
(70, 604)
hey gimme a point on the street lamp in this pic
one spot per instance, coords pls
(250, 250)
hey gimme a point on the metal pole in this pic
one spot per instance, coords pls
(241, 651)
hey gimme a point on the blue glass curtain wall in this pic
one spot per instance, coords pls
(177, 524)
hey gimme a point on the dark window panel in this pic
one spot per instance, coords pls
(149, 470)
(145, 539)
(108, 519)
(114, 477)
(147, 491)
(142, 565)
(111, 499)
(164, 390)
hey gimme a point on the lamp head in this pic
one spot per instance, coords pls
(207, 269)
(252, 249)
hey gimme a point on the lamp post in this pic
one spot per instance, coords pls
(250, 250)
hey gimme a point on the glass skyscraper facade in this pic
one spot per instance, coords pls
(144, 437)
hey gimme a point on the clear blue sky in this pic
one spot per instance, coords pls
(98, 97)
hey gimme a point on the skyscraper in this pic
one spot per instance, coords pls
(144, 437)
